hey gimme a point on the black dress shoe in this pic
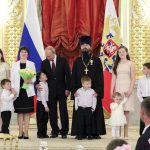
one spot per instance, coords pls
(84, 136)
(20, 137)
(26, 137)
(40, 136)
(79, 138)
(76, 137)
(64, 136)
(90, 138)
(54, 136)
(96, 137)
(45, 136)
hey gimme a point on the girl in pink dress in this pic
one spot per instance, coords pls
(123, 80)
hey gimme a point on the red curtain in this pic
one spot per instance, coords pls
(64, 21)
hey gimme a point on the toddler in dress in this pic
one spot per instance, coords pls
(117, 118)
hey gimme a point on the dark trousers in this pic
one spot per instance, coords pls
(84, 121)
(6, 117)
(63, 115)
(42, 119)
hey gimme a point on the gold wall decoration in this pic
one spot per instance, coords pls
(13, 29)
(140, 34)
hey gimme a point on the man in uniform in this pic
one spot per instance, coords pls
(87, 64)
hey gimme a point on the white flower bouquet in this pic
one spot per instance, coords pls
(26, 74)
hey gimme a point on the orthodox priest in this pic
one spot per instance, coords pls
(87, 64)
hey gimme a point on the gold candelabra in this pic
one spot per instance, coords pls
(11, 138)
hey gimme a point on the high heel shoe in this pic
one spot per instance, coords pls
(25, 137)
(20, 137)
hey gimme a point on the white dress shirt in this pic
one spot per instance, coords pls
(43, 95)
(85, 98)
(6, 101)
(54, 61)
(143, 88)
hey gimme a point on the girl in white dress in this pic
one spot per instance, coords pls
(117, 118)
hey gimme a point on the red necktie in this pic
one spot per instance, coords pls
(53, 66)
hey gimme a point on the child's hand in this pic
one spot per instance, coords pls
(95, 94)
(76, 94)
(13, 92)
(39, 87)
(47, 109)
(92, 110)
(28, 81)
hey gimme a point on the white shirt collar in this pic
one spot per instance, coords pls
(147, 77)
(85, 89)
(145, 129)
(54, 60)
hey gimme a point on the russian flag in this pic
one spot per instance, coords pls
(32, 38)
(31, 35)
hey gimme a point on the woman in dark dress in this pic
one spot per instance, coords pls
(24, 103)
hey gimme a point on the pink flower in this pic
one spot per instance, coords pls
(123, 147)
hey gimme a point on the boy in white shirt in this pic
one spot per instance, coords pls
(85, 104)
(6, 104)
(143, 88)
(42, 107)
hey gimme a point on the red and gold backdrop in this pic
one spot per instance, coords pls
(64, 21)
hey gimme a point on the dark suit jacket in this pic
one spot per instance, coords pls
(60, 81)
(143, 141)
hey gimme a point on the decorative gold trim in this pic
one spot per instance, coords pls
(140, 34)
(13, 29)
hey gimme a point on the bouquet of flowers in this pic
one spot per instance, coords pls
(26, 74)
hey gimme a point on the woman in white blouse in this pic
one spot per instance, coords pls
(24, 103)
(4, 74)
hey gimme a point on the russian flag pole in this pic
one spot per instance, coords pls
(32, 38)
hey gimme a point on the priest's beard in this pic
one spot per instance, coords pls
(86, 56)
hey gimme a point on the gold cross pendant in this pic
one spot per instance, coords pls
(86, 70)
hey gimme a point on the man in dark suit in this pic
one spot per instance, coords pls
(59, 79)
(143, 142)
